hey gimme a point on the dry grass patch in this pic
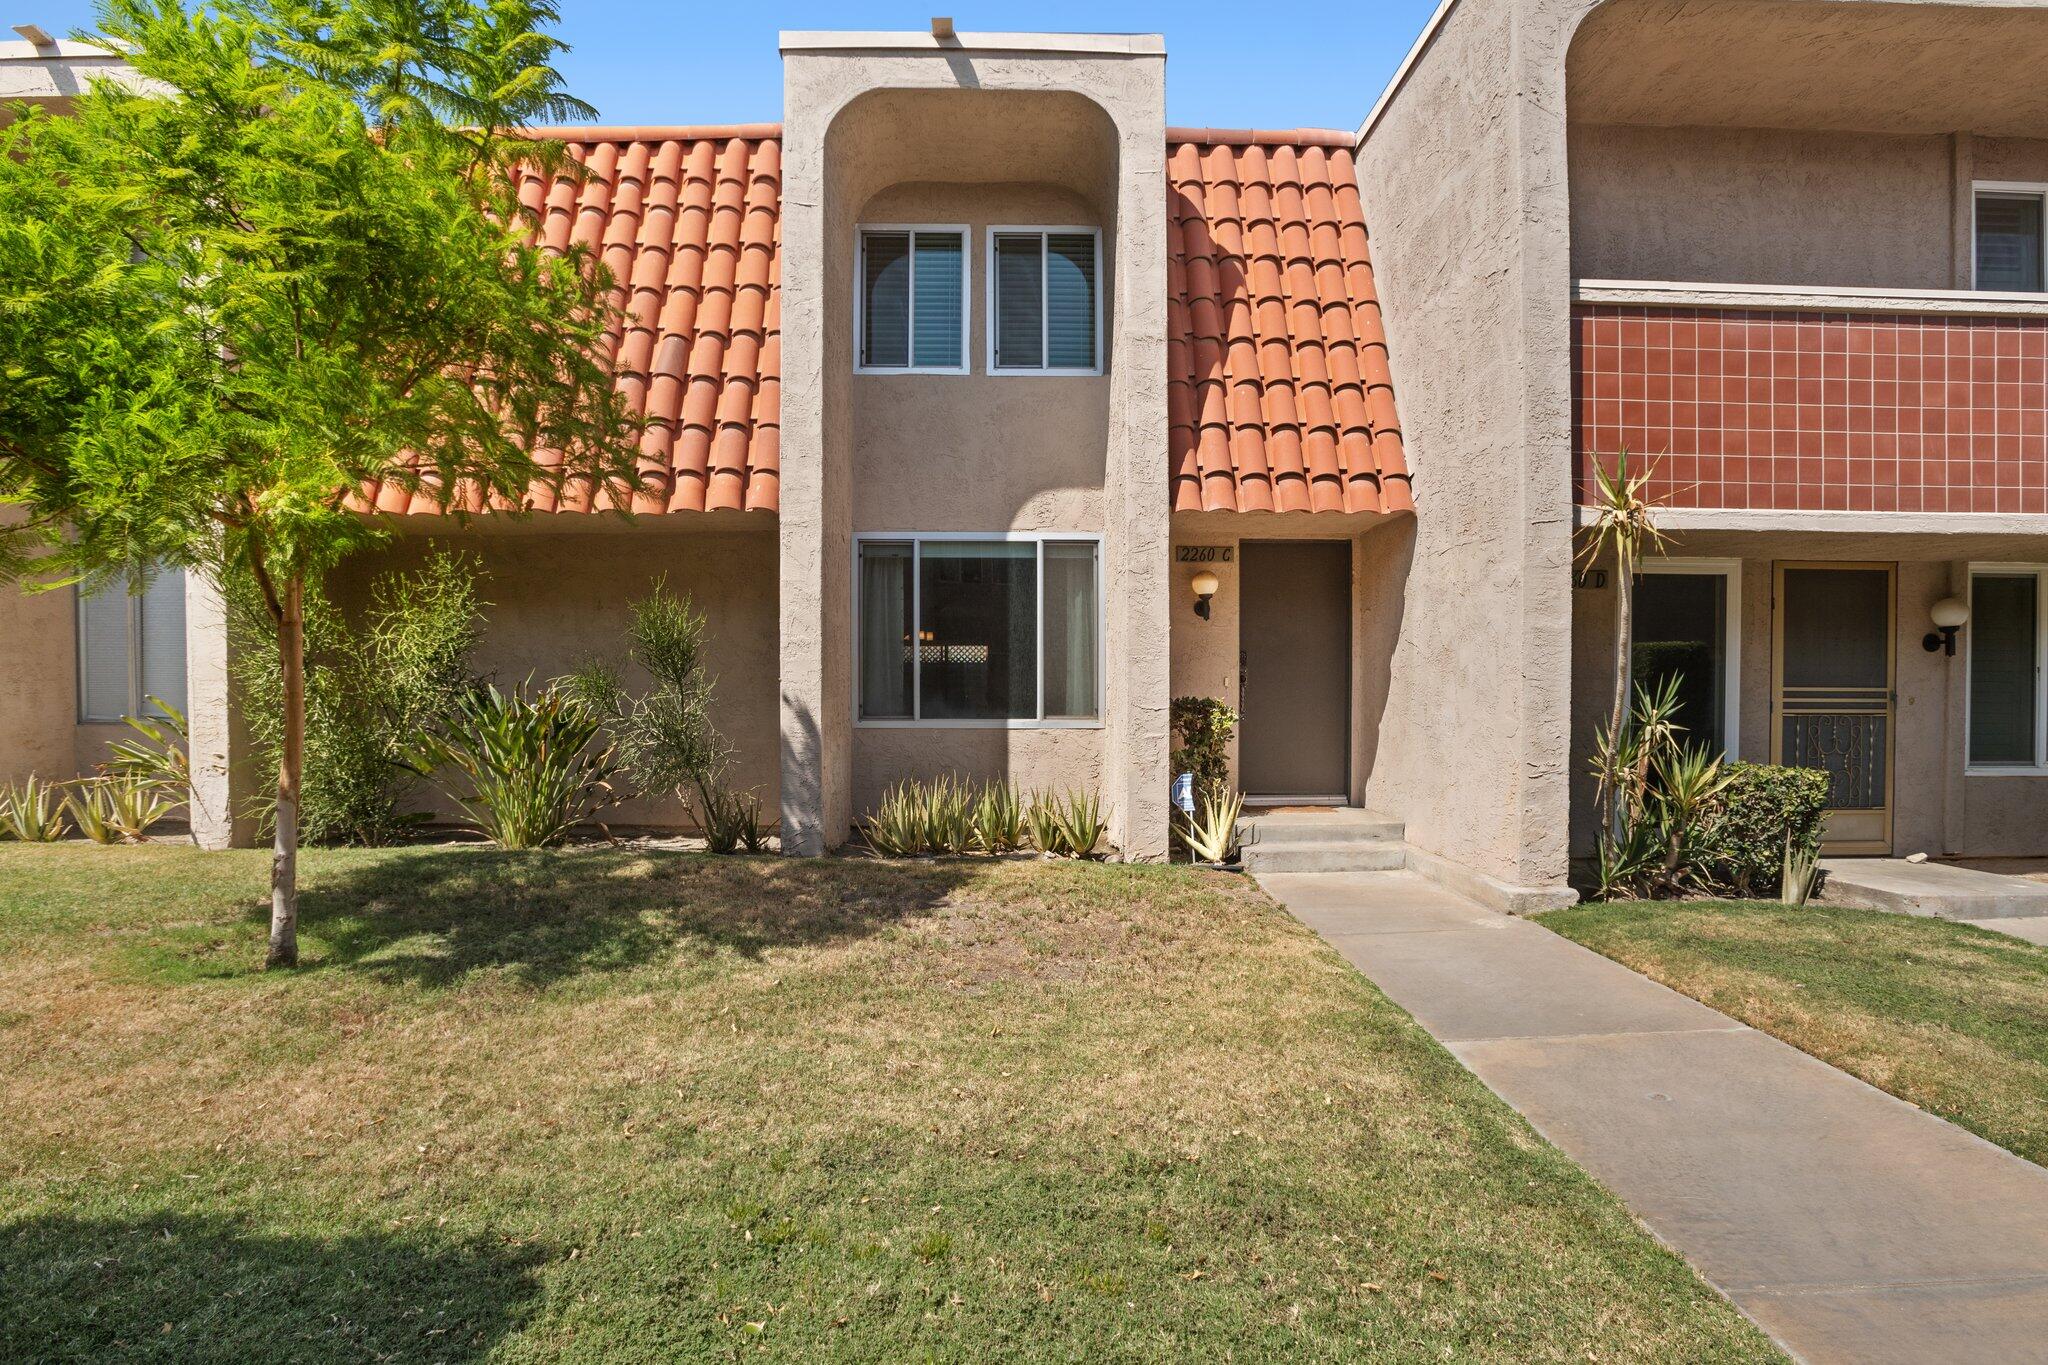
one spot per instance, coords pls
(1947, 1016)
(612, 1105)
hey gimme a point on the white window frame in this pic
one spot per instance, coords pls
(2016, 189)
(2039, 573)
(138, 704)
(1731, 645)
(860, 298)
(916, 541)
(1044, 313)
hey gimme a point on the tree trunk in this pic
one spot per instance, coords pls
(1624, 630)
(284, 861)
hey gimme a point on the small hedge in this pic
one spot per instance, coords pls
(1741, 846)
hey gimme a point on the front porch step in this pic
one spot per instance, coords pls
(1336, 839)
(1370, 856)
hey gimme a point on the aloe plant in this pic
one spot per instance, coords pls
(999, 818)
(1211, 834)
(91, 811)
(530, 767)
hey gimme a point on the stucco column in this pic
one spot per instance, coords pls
(217, 742)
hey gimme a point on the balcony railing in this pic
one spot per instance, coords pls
(1837, 400)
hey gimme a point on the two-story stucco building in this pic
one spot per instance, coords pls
(959, 378)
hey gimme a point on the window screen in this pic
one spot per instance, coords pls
(2004, 621)
(913, 297)
(131, 647)
(2009, 242)
(1681, 631)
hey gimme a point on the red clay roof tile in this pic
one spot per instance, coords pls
(1271, 295)
(1279, 393)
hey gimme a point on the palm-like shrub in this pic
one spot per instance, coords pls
(530, 768)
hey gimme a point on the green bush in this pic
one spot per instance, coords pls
(1203, 726)
(373, 685)
(1741, 846)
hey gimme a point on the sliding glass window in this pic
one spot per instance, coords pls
(994, 631)
(913, 299)
(2005, 668)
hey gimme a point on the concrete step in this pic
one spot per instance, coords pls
(1942, 890)
(1336, 825)
(1347, 855)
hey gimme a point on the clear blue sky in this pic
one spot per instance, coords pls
(1309, 63)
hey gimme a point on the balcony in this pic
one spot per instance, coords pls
(1793, 398)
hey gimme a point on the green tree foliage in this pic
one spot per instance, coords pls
(374, 683)
(286, 262)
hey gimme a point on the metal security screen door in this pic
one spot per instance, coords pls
(1294, 670)
(1832, 693)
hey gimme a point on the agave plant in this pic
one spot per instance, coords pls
(530, 766)
(1797, 873)
(896, 827)
(90, 807)
(1042, 824)
(948, 816)
(731, 820)
(999, 818)
(31, 811)
(1081, 824)
(1211, 835)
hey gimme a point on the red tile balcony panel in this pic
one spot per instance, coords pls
(1816, 411)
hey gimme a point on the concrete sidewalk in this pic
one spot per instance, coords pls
(1850, 1225)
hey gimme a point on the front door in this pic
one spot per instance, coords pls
(1294, 675)
(1832, 699)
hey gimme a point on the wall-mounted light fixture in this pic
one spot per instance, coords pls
(1205, 585)
(1948, 616)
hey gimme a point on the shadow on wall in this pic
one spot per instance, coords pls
(433, 917)
(1387, 559)
(200, 1290)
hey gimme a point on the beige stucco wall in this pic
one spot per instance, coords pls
(558, 598)
(1937, 808)
(1463, 183)
(1780, 206)
(874, 126)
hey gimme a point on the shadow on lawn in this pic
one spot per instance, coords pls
(434, 915)
(174, 1287)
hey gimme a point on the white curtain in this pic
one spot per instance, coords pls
(1070, 631)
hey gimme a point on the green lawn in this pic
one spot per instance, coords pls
(619, 1106)
(1950, 1017)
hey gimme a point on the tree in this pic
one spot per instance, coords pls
(287, 263)
(1623, 526)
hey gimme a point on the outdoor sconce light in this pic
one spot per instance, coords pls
(1205, 585)
(1948, 615)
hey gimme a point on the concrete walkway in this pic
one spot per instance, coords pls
(1850, 1225)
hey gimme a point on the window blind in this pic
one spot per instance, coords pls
(163, 640)
(937, 300)
(2009, 248)
(1070, 300)
(104, 682)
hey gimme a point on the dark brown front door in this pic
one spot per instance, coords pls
(1833, 698)
(1294, 678)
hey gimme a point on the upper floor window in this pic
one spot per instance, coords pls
(131, 647)
(2009, 243)
(912, 299)
(1045, 303)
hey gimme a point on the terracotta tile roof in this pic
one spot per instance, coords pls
(1279, 395)
(1279, 392)
(689, 221)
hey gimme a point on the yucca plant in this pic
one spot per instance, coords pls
(1082, 824)
(1688, 784)
(1623, 528)
(1625, 862)
(90, 807)
(1211, 834)
(530, 768)
(31, 811)
(896, 826)
(999, 818)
